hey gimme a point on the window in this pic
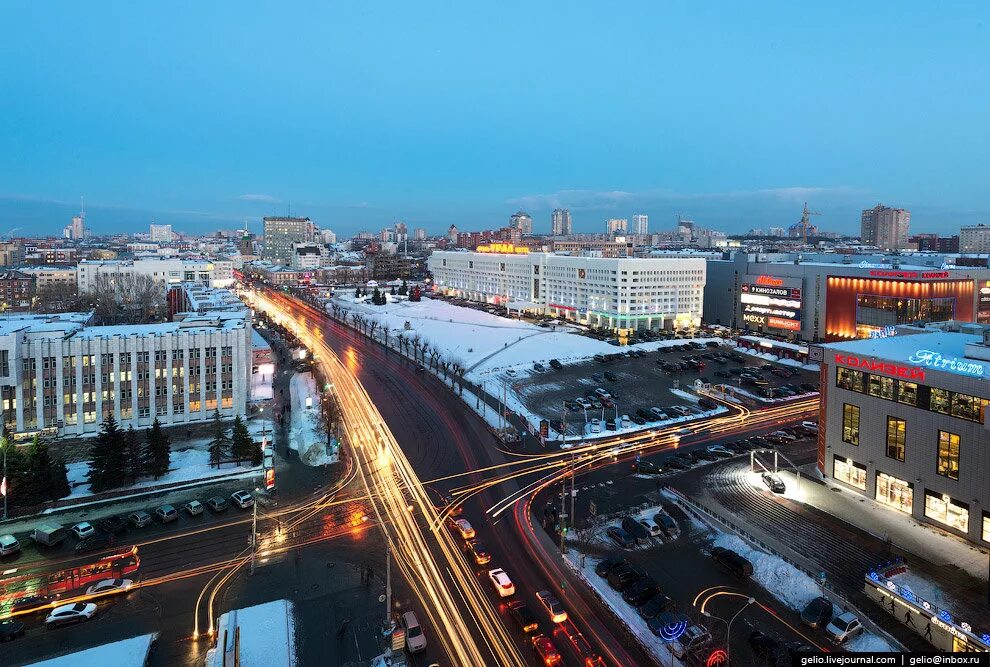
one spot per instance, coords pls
(986, 527)
(907, 392)
(953, 513)
(968, 407)
(939, 401)
(895, 493)
(850, 423)
(882, 387)
(948, 455)
(896, 434)
(849, 472)
(847, 378)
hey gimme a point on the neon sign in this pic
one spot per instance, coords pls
(503, 249)
(876, 273)
(882, 366)
(886, 332)
(770, 281)
(936, 360)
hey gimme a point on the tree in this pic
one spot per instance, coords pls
(357, 293)
(220, 442)
(393, 290)
(157, 451)
(403, 289)
(60, 298)
(242, 445)
(130, 298)
(133, 454)
(107, 458)
(375, 297)
(17, 472)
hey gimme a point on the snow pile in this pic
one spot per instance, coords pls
(305, 432)
(185, 465)
(784, 581)
(867, 642)
(131, 652)
(267, 636)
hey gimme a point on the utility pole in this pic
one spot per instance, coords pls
(563, 426)
(573, 516)
(563, 516)
(5, 446)
(254, 533)
(389, 626)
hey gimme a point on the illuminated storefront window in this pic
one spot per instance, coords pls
(968, 407)
(847, 378)
(948, 455)
(947, 511)
(986, 527)
(850, 423)
(939, 401)
(907, 392)
(895, 493)
(896, 435)
(881, 386)
(849, 472)
(879, 311)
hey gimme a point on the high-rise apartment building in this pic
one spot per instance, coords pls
(401, 232)
(419, 234)
(522, 221)
(76, 229)
(281, 233)
(641, 224)
(974, 238)
(560, 222)
(616, 225)
(885, 228)
(161, 233)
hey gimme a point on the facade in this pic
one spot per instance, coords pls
(816, 301)
(196, 298)
(522, 221)
(75, 230)
(616, 226)
(613, 293)
(560, 222)
(59, 376)
(160, 233)
(46, 276)
(51, 256)
(281, 233)
(618, 247)
(641, 224)
(904, 423)
(307, 256)
(11, 253)
(885, 228)
(975, 238)
(169, 270)
(419, 234)
(16, 290)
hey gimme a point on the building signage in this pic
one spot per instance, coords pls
(887, 368)
(885, 332)
(877, 273)
(766, 302)
(770, 281)
(784, 292)
(764, 310)
(781, 323)
(936, 360)
(503, 249)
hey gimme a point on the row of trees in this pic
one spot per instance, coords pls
(238, 446)
(118, 457)
(34, 476)
(116, 299)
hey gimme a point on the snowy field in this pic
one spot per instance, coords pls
(131, 652)
(305, 435)
(267, 635)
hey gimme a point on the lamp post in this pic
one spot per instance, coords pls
(728, 627)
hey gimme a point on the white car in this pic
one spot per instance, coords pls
(691, 640)
(844, 627)
(604, 394)
(500, 580)
(463, 528)
(595, 425)
(555, 609)
(625, 421)
(415, 639)
(784, 435)
(194, 507)
(110, 586)
(652, 527)
(583, 402)
(242, 499)
(9, 545)
(70, 613)
(811, 426)
(83, 529)
(511, 372)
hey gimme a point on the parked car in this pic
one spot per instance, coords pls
(637, 420)
(705, 455)
(721, 451)
(166, 514)
(607, 565)
(511, 372)
(11, 630)
(694, 638)
(9, 545)
(556, 365)
(764, 646)
(844, 627)
(707, 404)
(500, 580)
(242, 499)
(554, 607)
(415, 639)
(646, 468)
(110, 587)
(818, 613)
(655, 606)
(33, 604)
(583, 402)
(593, 426)
(811, 426)
(636, 530)
(546, 650)
(523, 617)
(667, 524)
(193, 508)
(640, 592)
(217, 504)
(652, 527)
(723, 374)
(539, 368)
(808, 387)
(774, 483)
(658, 414)
(732, 561)
(70, 613)
(479, 555)
(83, 529)
(602, 393)
(139, 519)
(680, 410)
(94, 542)
(620, 537)
(623, 576)
(675, 463)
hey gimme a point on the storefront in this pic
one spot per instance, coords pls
(947, 511)
(849, 472)
(895, 493)
(781, 349)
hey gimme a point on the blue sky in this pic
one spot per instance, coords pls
(358, 114)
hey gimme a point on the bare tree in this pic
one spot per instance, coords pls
(435, 357)
(373, 327)
(416, 341)
(60, 298)
(129, 298)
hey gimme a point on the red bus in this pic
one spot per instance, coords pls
(60, 583)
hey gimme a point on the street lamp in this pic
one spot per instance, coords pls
(728, 627)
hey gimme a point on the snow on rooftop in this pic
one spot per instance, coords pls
(131, 652)
(267, 636)
(941, 351)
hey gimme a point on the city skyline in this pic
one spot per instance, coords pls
(115, 116)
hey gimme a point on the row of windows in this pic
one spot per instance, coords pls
(947, 458)
(955, 404)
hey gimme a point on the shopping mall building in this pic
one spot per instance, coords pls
(841, 297)
(904, 423)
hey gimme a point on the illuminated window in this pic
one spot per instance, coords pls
(847, 378)
(947, 511)
(850, 423)
(882, 387)
(849, 472)
(986, 527)
(907, 392)
(968, 407)
(895, 493)
(939, 401)
(948, 455)
(896, 434)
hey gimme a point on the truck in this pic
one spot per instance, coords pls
(49, 534)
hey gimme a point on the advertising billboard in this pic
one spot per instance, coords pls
(766, 303)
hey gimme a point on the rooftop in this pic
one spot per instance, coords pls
(940, 351)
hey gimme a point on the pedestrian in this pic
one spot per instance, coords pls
(371, 574)
(364, 572)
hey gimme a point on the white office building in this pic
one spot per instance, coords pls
(160, 233)
(974, 239)
(641, 224)
(616, 293)
(168, 270)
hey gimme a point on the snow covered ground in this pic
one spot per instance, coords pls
(305, 435)
(131, 652)
(626, 614)
(184, 466)
(267, 636)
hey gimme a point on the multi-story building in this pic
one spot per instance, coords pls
(11, 253)
(60, 376)
(935, 243)
(41, 256)
(613, 293)
(401, 232)
(885, 228)
(905, 424)
(200, 299)
(616, 226)
(160, 233)
(419, 234)
(974, 238)
(75, 230)
(282, 232)
(606, 247)
(307, 256)
(641, 224)
(46, 276)
(326, 236)
(16, 290)
(169, 270)
(389, 266)
(522, 221)
(560, 222)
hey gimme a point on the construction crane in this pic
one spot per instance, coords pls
(805, 226)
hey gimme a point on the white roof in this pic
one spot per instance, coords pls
(936, 350)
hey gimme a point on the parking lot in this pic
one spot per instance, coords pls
(638, 381)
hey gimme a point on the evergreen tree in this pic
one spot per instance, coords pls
(404, 289)
(242, 446)
(106, 458)
(60, 480)
(39, 477)
(357, 293)
(376, 297)
(393, 290)
(133, 454)
(157, 451)
(220, 441)
(17, 473)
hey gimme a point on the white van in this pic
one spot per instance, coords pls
(415, 639)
